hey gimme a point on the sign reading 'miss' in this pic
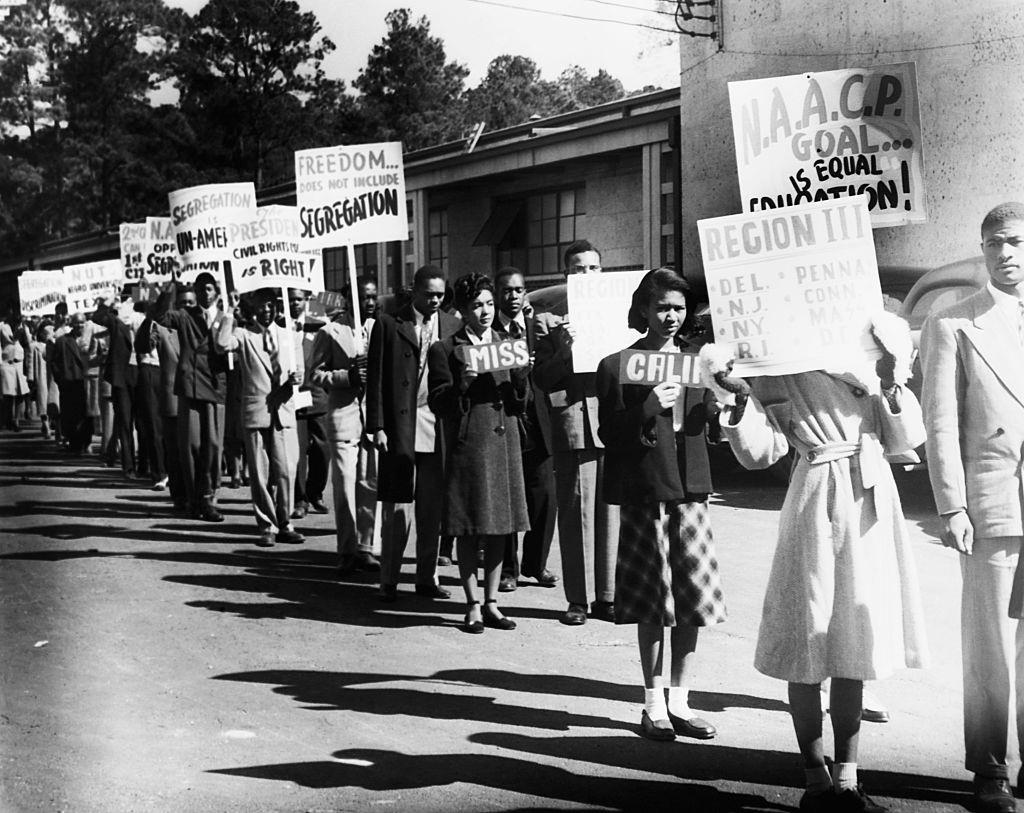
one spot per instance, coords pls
(508, 354)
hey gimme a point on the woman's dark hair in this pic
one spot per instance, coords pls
(468, 287)
(41, 327)
(660, 279)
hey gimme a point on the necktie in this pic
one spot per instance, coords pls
(515, 330)
(268, 341)
(426, 338)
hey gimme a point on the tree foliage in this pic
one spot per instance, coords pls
(92, 135)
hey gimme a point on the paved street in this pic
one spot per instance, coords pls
(153, 663)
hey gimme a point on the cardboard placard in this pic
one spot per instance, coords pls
(160, 255)
(793, 290)
(508, 354)
(598, 305)
(40, 291)
(133, 240)
(349, 195)
(88, 282)
(199, 218)
(649, 368)
(829, 135)
(266, 253)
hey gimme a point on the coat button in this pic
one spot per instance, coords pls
(405, 411)
(408, 353)
(405, 383)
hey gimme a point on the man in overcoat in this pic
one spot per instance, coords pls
(408, 440)
(588, 528)
(973, 400)
(202, 386)
(69, 362)
(538, 472)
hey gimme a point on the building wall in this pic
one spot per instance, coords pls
(613, 220)
(972, 104)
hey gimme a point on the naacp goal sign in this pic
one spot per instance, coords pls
(823, 136)
(351, 195)
(793, 290)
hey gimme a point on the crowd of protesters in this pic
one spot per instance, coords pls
(419, 445)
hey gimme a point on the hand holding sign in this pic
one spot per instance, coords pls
(661, 397)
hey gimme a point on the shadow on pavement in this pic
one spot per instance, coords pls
(380, 770)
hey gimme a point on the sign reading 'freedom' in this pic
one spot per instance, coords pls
(351, 195)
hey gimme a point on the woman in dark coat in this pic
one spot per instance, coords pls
(484, 497)
(656, 468)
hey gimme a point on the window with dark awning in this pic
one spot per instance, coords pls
(498, 223)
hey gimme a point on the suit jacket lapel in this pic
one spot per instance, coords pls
(405, 323)
(258, 343)
(997, 344)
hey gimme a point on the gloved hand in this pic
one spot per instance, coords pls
(716, 363)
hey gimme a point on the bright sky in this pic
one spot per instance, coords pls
(475, 31)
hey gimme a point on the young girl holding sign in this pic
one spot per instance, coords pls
(656, 469)
(485, 497)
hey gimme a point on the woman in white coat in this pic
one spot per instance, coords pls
(842, 599)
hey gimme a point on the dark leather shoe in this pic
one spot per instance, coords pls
(208, 513)
(545, 579)
(289, 538)
(494, 620)
(318, 506)
(265, 540)
(818, 802)
(507, 584)
(660, 730)
(603, 611)
(432, 591)
(993, 795)
(857, 801)
(575, 616)
(474, 627)
(367, 562)
(299, 512)
(389, 593)
(444, 561)
(696, 727)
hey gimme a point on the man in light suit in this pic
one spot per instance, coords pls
(410, 480)
(588, 528)
(973, 400)
(269, 380)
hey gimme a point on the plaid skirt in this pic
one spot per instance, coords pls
(666, 572)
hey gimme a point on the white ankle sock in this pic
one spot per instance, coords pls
(818, 779)
(845, 777)
(679, 702)
(654, 703)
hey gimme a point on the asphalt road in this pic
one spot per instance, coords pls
(153, 663)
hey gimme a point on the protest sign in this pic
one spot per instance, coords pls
(199, 218)
(324, 304)
(133, 238)
(507, 354)
(40, 291)
(597, 305)
(793, 290)
(88, 282)
(349, 195)
(160, 251)
(649, 368)
(266, 252)
(823, 136)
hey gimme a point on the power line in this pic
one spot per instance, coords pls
(574, 16)
(634, 8)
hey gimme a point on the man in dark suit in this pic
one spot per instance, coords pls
(410, 474)
(201, 385)
(973, 401)
(515, 320)
(588, 528)
(121, 373)
(149, 337)
(69, 362)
